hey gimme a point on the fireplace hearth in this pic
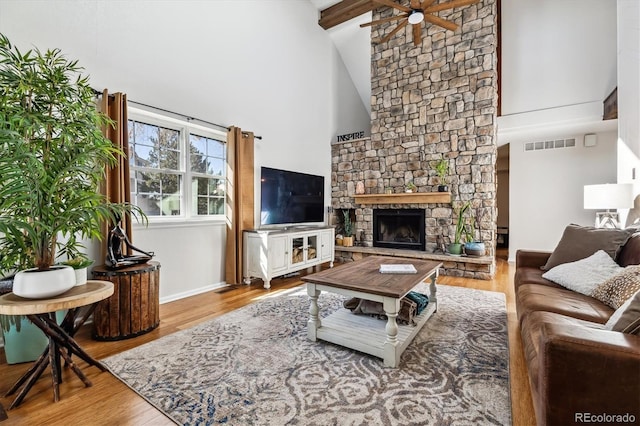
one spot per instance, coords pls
(399, 228)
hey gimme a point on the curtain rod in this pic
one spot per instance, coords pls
(189, 118)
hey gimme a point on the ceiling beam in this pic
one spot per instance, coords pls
(344, 11)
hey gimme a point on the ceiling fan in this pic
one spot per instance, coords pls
(418, 12)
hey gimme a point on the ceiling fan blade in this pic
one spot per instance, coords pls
(394, 5)
(417, 34)
(383, 20)
(426, 3)
(441, 22)
(449, 5)
(415, 4)
(400, 26)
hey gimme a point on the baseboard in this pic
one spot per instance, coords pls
(171, 298)
(189, 293)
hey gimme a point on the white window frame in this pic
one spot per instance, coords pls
(185, 128)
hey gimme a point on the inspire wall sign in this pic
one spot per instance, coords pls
(351, 136)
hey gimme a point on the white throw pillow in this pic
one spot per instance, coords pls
(584, 275)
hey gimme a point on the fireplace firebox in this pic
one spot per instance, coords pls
(399, 228)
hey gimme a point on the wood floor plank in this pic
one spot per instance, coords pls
(110, 402)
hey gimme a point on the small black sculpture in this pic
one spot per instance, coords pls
(115, 259)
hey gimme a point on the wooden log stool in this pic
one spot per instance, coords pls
(133, 309)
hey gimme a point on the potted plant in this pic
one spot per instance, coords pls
(79, 264)
(411, 187)
(442, 169)
(455, 247)
(473, 247)
(347, 239)
(52, 160)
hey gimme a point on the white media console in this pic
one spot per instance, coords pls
(270, 253)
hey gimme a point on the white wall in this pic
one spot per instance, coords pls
(557, 53)
(265, 66)
(559, 63)
(629, 100)
(629, 76)
(547, 188)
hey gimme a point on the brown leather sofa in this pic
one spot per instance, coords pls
(577, 369)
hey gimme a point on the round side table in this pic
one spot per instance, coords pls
(134, 308)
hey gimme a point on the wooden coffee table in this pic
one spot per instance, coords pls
(386, 340)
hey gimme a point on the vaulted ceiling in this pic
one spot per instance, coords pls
(353, 44)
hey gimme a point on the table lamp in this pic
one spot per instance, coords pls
(608, 196)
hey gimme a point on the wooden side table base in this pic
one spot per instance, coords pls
(61, 343)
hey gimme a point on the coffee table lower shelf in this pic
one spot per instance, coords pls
(368, 334)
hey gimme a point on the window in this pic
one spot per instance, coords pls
(177, 168)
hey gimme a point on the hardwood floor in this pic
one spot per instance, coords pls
(110, 402)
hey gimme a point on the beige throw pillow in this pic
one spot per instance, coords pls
(619, 288)
(578, 242)
(627, 317)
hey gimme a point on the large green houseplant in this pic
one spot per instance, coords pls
(52, 160)
(53, 156)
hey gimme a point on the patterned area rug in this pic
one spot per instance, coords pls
(255, 366)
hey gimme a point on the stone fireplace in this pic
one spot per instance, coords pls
(429, 102)
(399, 228)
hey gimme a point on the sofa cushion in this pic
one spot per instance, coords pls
(578, 242)
(531, 329)
(535, 297)
(630, 252)
(586, 274)
(532, 275)
(619, 288)
(627, 317)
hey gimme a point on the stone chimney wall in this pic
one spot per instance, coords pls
(428, 102)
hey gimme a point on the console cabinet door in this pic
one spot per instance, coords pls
(278, 253)
(297, 252)
(326, 245)
(313, 244)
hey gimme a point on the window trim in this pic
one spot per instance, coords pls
(185, 128)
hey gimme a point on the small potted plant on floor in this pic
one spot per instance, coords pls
(347, 239)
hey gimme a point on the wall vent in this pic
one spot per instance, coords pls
(558, 143)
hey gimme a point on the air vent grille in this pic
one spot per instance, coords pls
(558, 143)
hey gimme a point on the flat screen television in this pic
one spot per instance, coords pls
(290, 197)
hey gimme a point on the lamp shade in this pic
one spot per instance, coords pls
(608, 196)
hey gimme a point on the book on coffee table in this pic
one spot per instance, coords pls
(403, 268)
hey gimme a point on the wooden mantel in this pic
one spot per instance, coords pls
(404, 198)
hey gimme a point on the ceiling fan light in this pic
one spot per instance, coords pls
(416, 17)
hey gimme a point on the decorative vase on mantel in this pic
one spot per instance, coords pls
(347, 241)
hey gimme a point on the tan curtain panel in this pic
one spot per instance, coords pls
(117, 185)
(240, 195)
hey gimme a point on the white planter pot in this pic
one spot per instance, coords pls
(81, 276)
(35, 284)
